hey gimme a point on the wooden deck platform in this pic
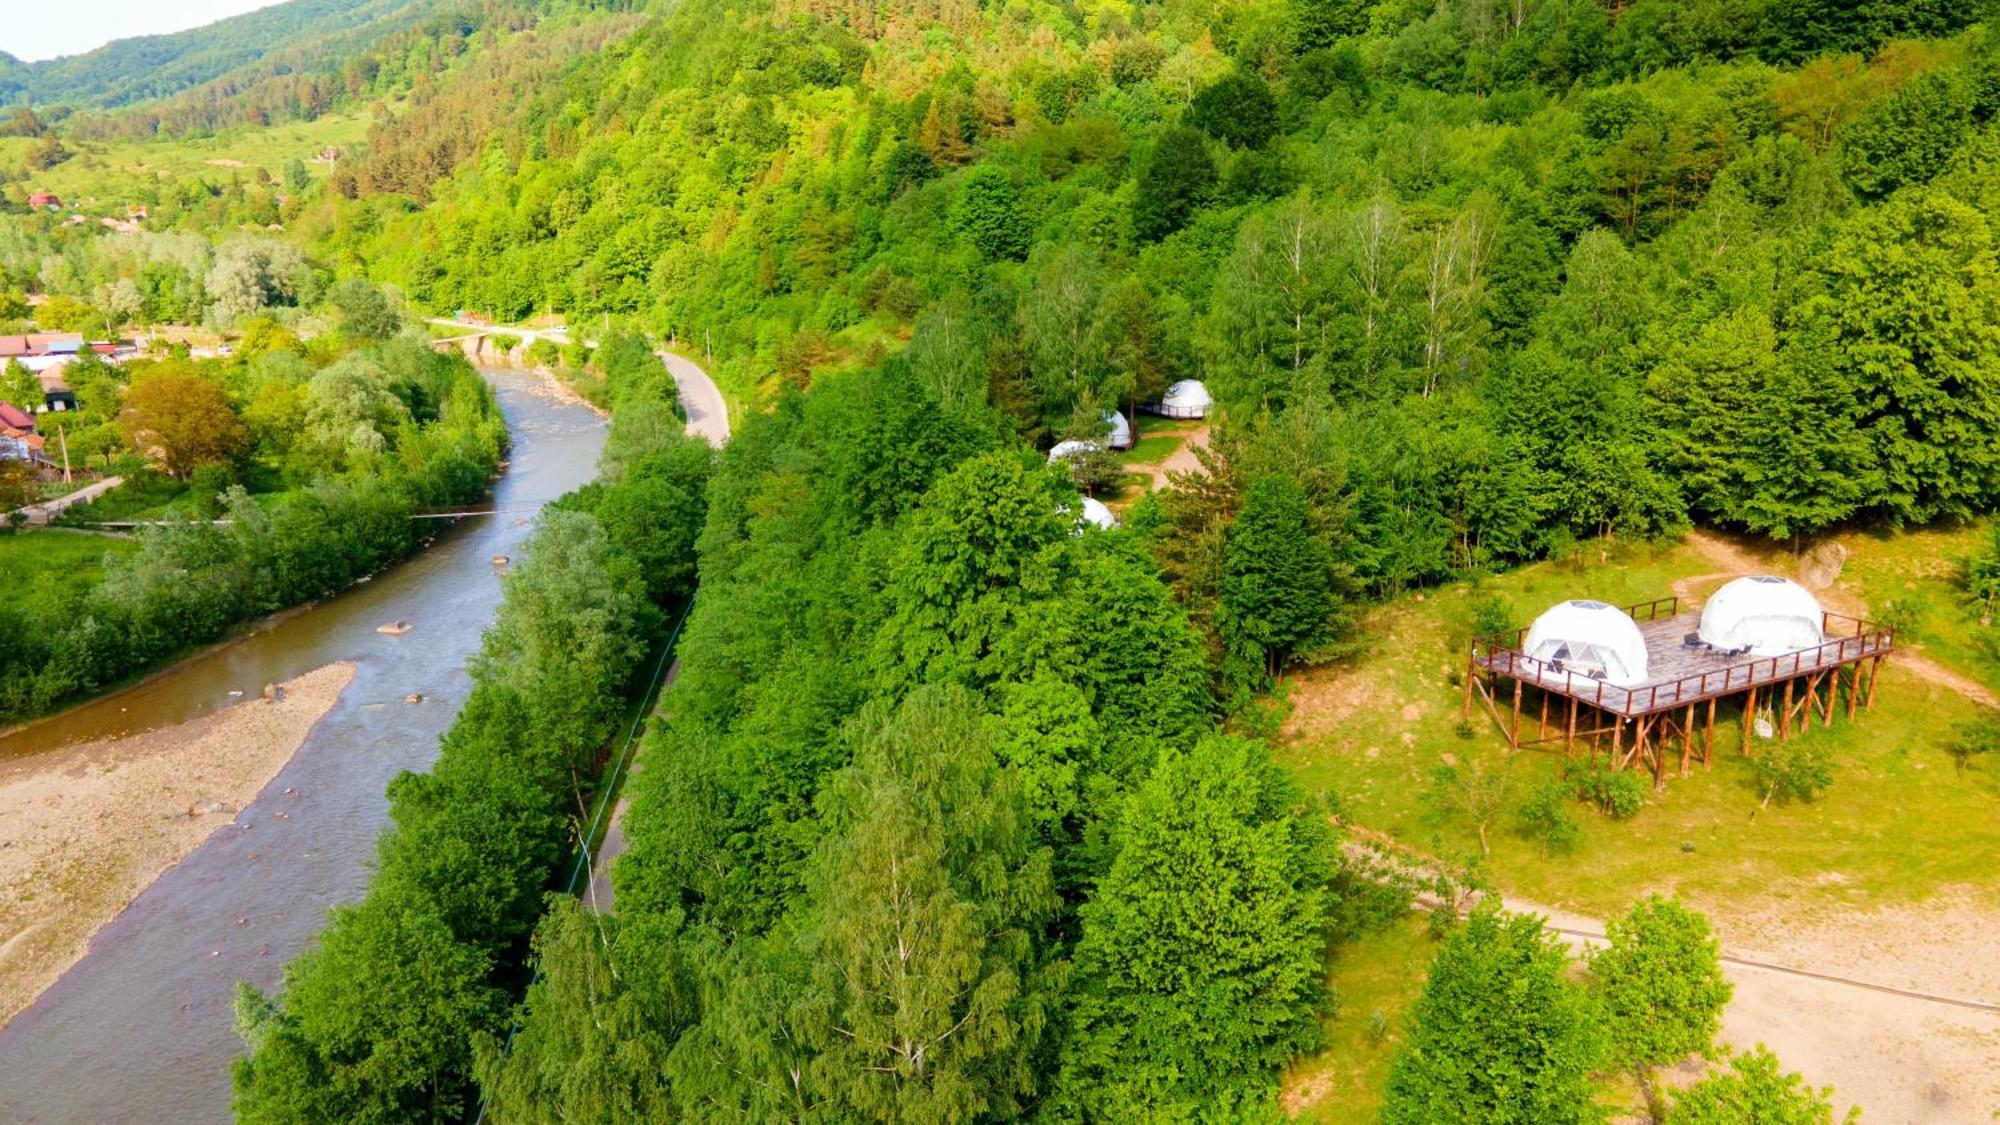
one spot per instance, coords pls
(1684, 684)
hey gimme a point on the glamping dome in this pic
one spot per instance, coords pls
(1589, 637)
(1121, 430)
(1186, 399)
(1064, 450)
(1095, 514)
(1765, 615)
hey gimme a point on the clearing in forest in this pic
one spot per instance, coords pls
(1885, 879)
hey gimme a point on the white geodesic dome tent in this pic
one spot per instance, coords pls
(1766, 615)
(1186, 399)
(1095, 514)
(1064, 450)
(1121, 430)
(1590, 637)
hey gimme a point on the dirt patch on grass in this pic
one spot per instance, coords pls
(1181, 460)
(89, 827)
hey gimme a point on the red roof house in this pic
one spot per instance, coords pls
(15, 418)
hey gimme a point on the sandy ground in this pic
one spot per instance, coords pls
(84, 829)
(1900, 1059)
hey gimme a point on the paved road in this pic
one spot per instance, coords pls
(707, 416)
(40, 514)
(707, 413)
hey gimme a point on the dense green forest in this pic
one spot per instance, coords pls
(1666, 262)
(959, 811)
(289, 62)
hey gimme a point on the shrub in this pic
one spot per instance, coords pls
(1905, 616)
(1617, 794)
(1755, 1089)
(1491, 614)
(1971, 739)
(1545, 819)
(1792, 771)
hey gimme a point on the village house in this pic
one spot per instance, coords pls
(56, 392)
(18, 439)
(45, 354)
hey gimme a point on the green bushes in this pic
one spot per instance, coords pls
(1546, 819)
(1791, 771)
(1618, 794)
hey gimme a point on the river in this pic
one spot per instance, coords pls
(142, 1029)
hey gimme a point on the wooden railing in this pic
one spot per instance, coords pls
(1657, 608)
(1864, 639)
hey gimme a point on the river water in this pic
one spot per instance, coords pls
(142, 1028)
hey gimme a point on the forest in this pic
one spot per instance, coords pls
(159, 66)
(1669, 261)
(959, 810)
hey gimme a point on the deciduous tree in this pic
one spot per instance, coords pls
(1498, 1035)
(184, 419)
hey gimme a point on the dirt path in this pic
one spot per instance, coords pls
(1181, 460)
(1735, 562)
(83, 830)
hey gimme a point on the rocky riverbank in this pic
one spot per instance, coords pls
(85, 829)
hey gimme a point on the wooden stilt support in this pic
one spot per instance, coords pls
(1749, 719)
(1514, 728)
(1617, 739)
(1853, 689)
(1569, 731)
(1687, 739)
(1832, 690)
(1542, 723)
(1874, 673)
(1708, 740)
(1660, 754)
(1785, 715)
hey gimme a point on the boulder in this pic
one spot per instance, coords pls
(1821, 566)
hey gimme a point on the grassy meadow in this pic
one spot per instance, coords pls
(59, 565)
(104, 176)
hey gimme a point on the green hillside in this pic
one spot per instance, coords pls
(156, 66)
(955, 813)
